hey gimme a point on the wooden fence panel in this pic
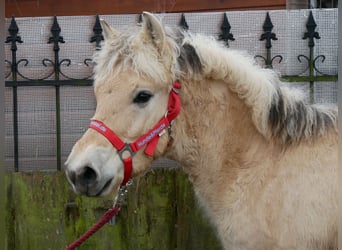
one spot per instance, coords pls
(161, 213)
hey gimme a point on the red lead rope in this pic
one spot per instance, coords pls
(150, 140)
(104, 219)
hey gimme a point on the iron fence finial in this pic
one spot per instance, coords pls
(13, 38)
(268, 35)
(183, 24)
(56, 37)
(311, 33)
(225, 31)
(97, 37)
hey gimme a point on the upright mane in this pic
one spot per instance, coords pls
(277, 111)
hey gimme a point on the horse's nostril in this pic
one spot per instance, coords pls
(88, 176)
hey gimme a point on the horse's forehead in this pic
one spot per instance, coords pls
(124, 82)
(131, 63)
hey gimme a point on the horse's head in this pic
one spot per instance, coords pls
(132, 83)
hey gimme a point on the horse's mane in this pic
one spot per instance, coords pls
(277, 111)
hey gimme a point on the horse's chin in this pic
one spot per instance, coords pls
(106, 189)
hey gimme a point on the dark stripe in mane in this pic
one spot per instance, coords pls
(188, 60)
(288, 119)
(292, 122)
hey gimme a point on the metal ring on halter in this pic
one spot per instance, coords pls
(128, 149)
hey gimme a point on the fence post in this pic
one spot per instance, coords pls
(55, 39)
(311, 34)
(13, 39)
(2, 132)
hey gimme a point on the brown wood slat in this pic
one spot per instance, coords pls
(21, 8)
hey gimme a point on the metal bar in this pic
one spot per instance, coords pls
(268, 62)
(58, 130)
(15, 129)
(55, 39)
(311, 75)
(13, 39)
(51, 83)
(15, 112)
(324, 78)
(311, 34)
(84, 83)
(15, 109)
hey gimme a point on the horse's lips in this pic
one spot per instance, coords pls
(104, 187)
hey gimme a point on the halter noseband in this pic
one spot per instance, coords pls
(150, 139)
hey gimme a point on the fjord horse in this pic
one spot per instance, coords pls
(262, 161)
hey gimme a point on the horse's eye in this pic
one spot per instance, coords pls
(142, 97)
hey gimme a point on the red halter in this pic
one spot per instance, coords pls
(150, 139)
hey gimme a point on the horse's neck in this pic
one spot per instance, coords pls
(212, 136)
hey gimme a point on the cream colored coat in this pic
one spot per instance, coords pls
(262, 162)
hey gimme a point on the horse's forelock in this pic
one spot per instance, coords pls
(128, 50)
(109, 57)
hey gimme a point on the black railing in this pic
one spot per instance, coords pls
(53, 78)
(56, 72)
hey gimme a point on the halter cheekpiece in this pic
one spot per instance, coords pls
(149, 139)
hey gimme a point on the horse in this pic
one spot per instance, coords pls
(261, 159)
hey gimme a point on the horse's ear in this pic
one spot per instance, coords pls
(108, 32)
(152, 30)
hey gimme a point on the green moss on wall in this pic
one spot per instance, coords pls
(161, 213)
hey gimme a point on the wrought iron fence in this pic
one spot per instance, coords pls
(53, 77)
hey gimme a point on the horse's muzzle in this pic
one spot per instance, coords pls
(86, 181)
